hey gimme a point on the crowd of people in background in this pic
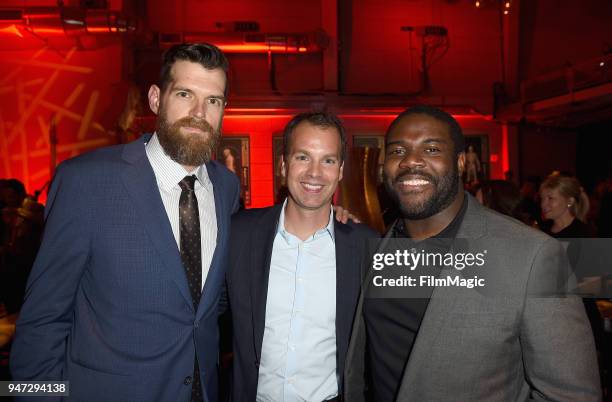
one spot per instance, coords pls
(558, 205)
(21, 227)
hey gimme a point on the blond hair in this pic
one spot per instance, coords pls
(569, 187)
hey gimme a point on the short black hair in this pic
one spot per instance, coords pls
(205, 54)
(318, 119)
(453, 127)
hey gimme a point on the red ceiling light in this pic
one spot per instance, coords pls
(502, 5)
(63, 21)
(255, 42)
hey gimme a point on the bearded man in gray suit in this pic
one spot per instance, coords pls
(516, 338)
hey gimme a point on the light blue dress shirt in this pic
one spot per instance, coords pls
(298, 355)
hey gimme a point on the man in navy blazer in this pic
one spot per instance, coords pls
(108, 305)
(294, 276)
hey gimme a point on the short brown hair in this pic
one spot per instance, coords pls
(205, 54)
(318, 119)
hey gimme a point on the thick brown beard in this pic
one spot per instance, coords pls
(186, 149)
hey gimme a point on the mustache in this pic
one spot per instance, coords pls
(413, 174)
(192, 122)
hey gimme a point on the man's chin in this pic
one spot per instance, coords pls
(415, 213)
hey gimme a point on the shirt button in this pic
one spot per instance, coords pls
(187, 380)
(290, 381)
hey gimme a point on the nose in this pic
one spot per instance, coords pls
(198, 109)
(314, 170)
(412, 160)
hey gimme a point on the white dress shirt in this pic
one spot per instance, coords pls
(298, 354)
(168, 174)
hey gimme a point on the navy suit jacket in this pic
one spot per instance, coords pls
(107, 305)
(252, 238)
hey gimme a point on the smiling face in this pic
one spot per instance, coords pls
(422, 171)
(190, 112)
(555, 205)
(313, 167)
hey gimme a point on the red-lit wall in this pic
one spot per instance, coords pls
(262, 128)
(380, 58)
(82, 90)
(87, 92)
(383, 59)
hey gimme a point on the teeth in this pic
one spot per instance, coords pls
(415, 182)
(313, 186)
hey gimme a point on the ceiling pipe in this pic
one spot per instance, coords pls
(68, 21)
(266, 43)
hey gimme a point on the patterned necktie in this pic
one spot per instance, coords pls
(191, 255)
(191, 248)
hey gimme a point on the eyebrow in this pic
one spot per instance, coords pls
(426, 141)
(185, 89)
(298, 151)
(179, 88)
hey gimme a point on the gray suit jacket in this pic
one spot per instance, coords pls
(505, 342)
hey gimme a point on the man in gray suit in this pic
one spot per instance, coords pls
(511, 336)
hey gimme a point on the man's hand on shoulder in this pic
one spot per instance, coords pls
(343, 215)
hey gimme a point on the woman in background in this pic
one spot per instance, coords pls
(565, 204)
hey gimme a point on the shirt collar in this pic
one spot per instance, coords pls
(329, 229)
(168, 172)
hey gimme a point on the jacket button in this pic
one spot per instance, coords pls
(187, 380)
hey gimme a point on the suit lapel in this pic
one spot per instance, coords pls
(261, 256)
(140, 184)
(221, 204)
(347, 288)
(442, 303)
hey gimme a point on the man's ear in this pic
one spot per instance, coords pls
(461, 163)
(341, 171)
(154, 95)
